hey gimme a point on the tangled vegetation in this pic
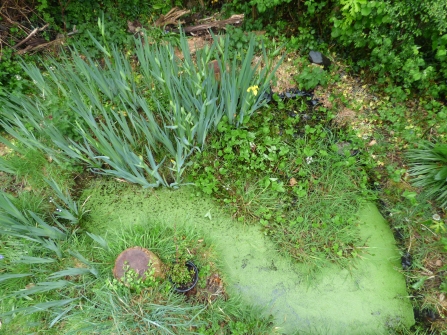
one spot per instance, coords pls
(128, 107)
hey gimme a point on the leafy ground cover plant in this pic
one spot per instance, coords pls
(293, 177)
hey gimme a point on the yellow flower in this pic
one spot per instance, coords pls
(253, 89)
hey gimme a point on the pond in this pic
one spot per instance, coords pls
(368, 298)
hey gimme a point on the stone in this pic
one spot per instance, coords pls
(317, 57)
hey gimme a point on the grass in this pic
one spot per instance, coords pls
(71, 290)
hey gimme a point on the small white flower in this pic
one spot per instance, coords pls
(18, 77)
(34, 82)
(51, 68)
(309, 160)
(436, 217)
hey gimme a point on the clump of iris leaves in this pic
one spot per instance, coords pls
(156, 119)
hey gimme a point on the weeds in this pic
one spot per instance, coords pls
(304, 191)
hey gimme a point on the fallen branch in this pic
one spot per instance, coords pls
(233, 20)
(171, 17)
(30, 48)
(15, 23)
(31, 34)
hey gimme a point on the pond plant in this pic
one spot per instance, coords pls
(150, 117)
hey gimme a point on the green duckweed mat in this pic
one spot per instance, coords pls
(369, 298)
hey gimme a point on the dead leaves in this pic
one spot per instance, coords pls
(292, 182)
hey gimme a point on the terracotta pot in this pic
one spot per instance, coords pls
(138, 259)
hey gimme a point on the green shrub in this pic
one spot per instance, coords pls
(402, 42)
(428, 166)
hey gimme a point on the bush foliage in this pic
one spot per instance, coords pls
(403, 42)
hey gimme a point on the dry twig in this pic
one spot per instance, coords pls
(31, 34)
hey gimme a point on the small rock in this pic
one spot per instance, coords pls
(317, 57)
(438, 263)
(30, 286)
(373, 142)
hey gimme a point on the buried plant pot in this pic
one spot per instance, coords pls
(183, 276)
(137, 262)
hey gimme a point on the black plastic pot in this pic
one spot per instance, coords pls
(189, 286)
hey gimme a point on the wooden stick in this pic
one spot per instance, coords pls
(38, 47)
(171, 17)
(235, 20)
(34, 32)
